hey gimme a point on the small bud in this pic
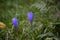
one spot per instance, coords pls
(15, 23)
(30, 16)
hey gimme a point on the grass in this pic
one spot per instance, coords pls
(44, 24)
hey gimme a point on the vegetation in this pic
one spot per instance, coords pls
(45, 23)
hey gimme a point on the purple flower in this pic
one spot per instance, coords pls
(14, 22)
(30, 16)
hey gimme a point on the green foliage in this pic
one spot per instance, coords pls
(45, 20)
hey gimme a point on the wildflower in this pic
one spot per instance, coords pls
(30, 16)
(15, 23)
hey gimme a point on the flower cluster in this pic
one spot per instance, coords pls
(15, 23)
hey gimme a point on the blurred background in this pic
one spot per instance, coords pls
(46, 19)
